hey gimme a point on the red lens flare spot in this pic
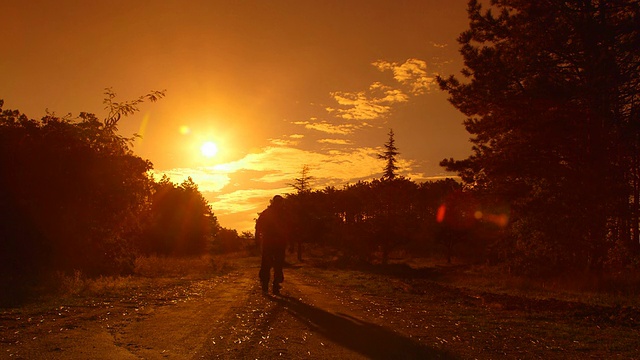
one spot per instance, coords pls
(441, 212)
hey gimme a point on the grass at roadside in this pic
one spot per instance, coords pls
(198, 267)
(474, 310)
(398, 274)
(150, 273)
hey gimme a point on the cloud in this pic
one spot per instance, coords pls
(411, 73)
(326, 127)
(377, 101)
(241, 207)
(335, 141)
(366, 105)
(287, 140)
(342, 166)
(292, 141)
(244, 200)
(267, 172)
(394, 96)
(274, 165)
(208, 179)
(274, 158)
(439, 46)
(283, 164)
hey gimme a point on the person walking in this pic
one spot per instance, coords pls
(273, 232)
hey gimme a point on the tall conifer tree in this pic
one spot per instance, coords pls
(389, 156)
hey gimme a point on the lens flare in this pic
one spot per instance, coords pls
(441, 212)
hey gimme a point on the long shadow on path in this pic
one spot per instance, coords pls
(370, 340)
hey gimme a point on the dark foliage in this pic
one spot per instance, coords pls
(73, 197)
(552, 95)
(71, 193)
(367, 221)
(229, 241)
(180, 222)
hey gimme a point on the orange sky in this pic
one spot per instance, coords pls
(275, 84)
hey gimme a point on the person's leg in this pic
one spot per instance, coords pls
(265, 270)
(278, 274)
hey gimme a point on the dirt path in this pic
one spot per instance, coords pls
(228, 317)
(225, 318)
(170, 322)
(306, 322)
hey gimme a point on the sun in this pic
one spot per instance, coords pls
(209, 149)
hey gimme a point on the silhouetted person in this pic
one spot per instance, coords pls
(273, 230)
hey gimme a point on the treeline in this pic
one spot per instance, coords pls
(370, 220)
(74, 197)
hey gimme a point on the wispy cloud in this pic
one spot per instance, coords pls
(246, 200)
(366, 105)
(412, 73)
(378, 100)
(387, 94)
(335, 141)
(241, 207)
(279, 159)
(290, 140)
(267, 172)
(326, 127)
(283, 164)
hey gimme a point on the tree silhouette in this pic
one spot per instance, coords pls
(117, 110)
(552, 106)
(389, 156)
(303, 183)
(367, 221)
(394, 218)
(181, 222)
(72, 194)
(300, 211)
(228, 240)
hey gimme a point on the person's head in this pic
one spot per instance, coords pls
(277, 201)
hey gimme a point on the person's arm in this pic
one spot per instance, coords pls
(258, 233)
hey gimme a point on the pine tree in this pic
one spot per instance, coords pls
(300, 213)
(303, 183)
(389, 156)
